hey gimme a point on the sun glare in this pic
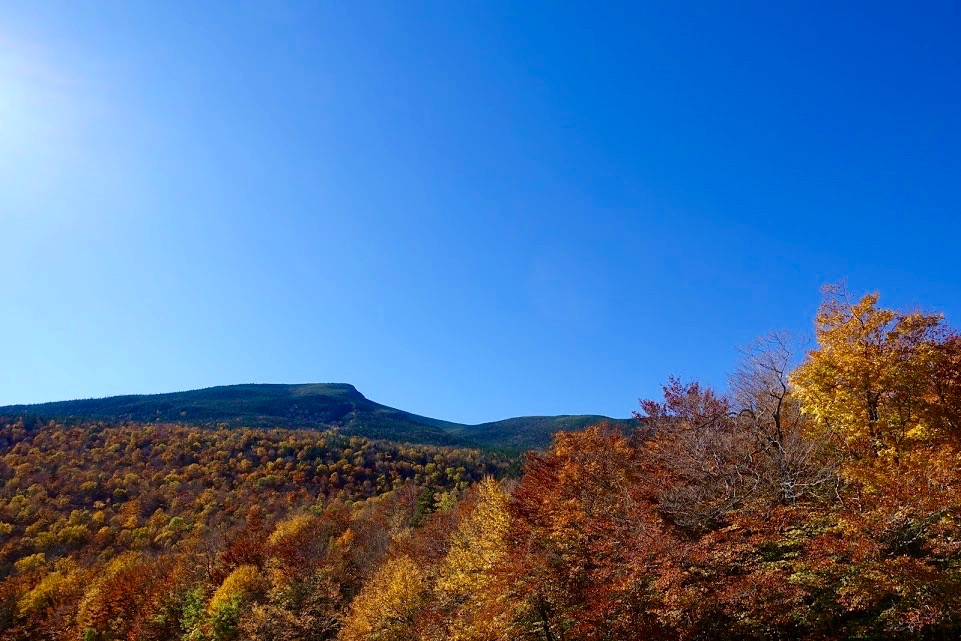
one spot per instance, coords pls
(39, 98)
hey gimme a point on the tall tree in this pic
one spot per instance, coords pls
(477, 606)
(868, 382)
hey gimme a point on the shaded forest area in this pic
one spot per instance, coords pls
(819, 497)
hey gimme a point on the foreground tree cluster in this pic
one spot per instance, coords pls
(818, 498)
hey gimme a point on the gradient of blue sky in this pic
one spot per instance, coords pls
(467, 210)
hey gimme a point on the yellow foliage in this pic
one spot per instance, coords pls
(865, 382)
(466, 582)
(345, 540)
(291, 529)
(32, 562)
(385, 609)
(477, 545)
(243, 583)
(53, 585)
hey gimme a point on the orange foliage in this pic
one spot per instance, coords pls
(819, 503)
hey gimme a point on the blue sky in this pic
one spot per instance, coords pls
(467, 210)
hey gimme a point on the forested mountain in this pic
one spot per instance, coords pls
(818, 498)
(116, 531)
(315, 406)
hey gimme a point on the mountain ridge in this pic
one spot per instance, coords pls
(312, 406)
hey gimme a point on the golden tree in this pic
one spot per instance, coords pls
(867, 383)
(466, 585)
(386, 608)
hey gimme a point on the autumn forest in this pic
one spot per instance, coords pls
(818, 496)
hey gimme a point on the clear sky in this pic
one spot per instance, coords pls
(467, 210)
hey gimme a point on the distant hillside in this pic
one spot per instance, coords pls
(321, 406)
(526, 432)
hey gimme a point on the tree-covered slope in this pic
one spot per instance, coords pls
(317, 406)
(528, 432)
(114, 531)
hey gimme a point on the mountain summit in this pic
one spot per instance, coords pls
(311, 406)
